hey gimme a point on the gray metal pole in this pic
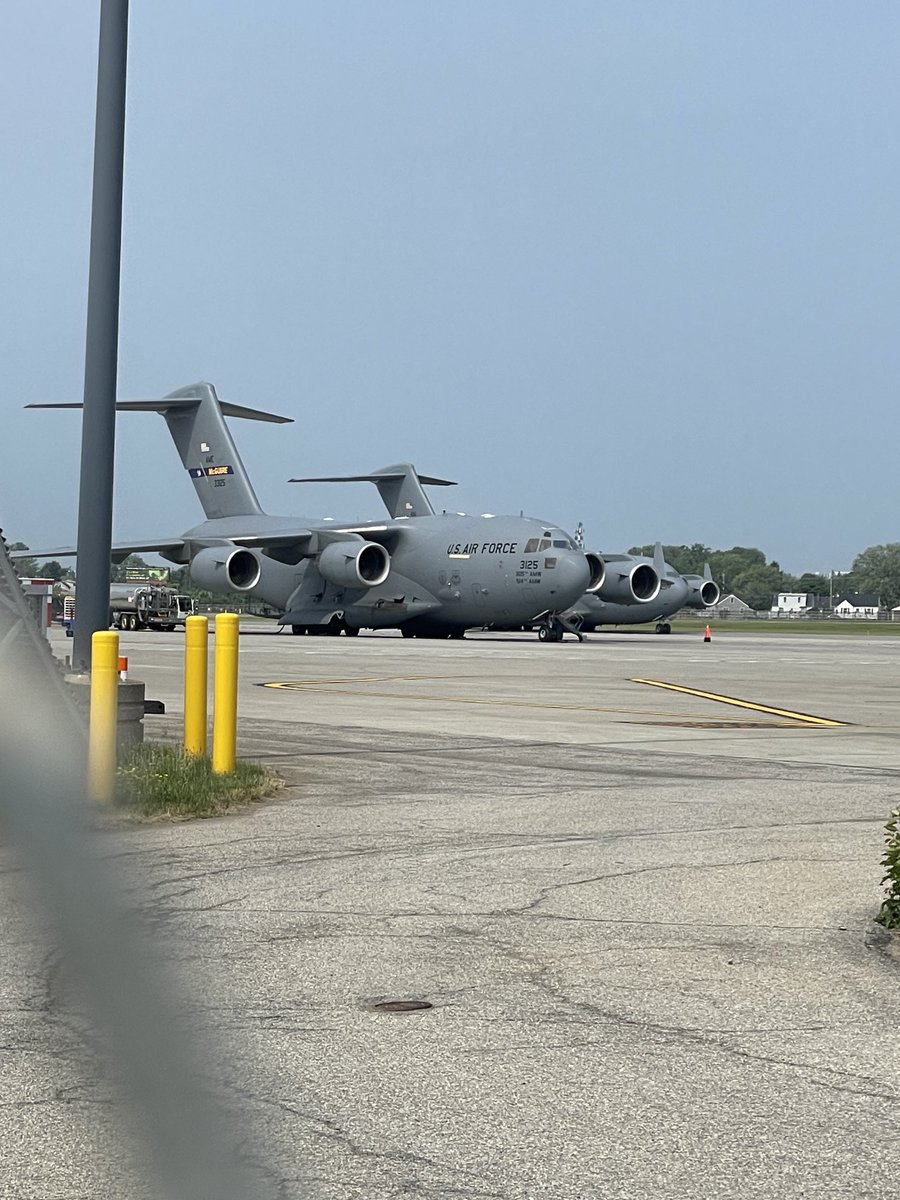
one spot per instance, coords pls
(98, 430)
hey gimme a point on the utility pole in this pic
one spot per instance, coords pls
(98, 429)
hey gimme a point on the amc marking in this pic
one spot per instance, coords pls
(200, 472)
(801, 718)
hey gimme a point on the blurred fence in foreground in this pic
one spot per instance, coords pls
(133, 1003)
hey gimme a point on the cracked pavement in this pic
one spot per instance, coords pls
(644, 944)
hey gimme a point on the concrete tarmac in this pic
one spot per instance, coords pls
(639, 916)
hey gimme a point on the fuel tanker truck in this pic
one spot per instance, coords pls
(138, 606)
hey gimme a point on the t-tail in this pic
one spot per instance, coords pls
(196, 419)
(400, 488)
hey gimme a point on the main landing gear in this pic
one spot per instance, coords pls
(663, 627)
(552, 629)
(335, 626)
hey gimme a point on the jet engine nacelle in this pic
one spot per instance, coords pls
(627, 580)
(354, 564)
(598, 572)
(702, 593)
(226, 569)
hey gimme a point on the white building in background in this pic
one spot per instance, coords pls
(862, 605)
(794, 602)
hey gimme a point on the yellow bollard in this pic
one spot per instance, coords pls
(104, 714)
(224, 755)
(196, 664)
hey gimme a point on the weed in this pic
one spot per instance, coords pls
(889, 914)
(163, 781)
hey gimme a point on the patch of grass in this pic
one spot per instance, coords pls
(889, 915)
(162, 781)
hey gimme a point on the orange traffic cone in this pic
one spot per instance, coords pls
(707, 634)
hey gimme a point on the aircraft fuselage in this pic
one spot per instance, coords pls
(448, 572)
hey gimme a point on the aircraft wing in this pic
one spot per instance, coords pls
(301, 538)
(119, 551)
(291, 545)
(287, 545)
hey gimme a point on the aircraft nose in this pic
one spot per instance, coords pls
(573, 574)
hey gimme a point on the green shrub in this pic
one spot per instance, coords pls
(889, 915)
(164, 781)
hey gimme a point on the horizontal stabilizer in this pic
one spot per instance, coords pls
(400, 487)
(376, 477)
(183, 402)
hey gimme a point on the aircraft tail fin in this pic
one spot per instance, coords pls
(659, 560)
(196, 419)
(399, 486)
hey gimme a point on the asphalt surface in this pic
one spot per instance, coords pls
(639, 916)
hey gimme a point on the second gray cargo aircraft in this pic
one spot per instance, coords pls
(429, 575)
(643, 590)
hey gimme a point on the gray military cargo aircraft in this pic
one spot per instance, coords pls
(428, 575)
(658, 591)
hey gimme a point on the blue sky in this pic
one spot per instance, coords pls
(634, 264)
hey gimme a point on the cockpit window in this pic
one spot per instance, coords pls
(545, 544)
(560, 545)
(531, 546)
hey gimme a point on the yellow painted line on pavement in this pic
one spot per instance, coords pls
(803, 718)
(345, 687)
